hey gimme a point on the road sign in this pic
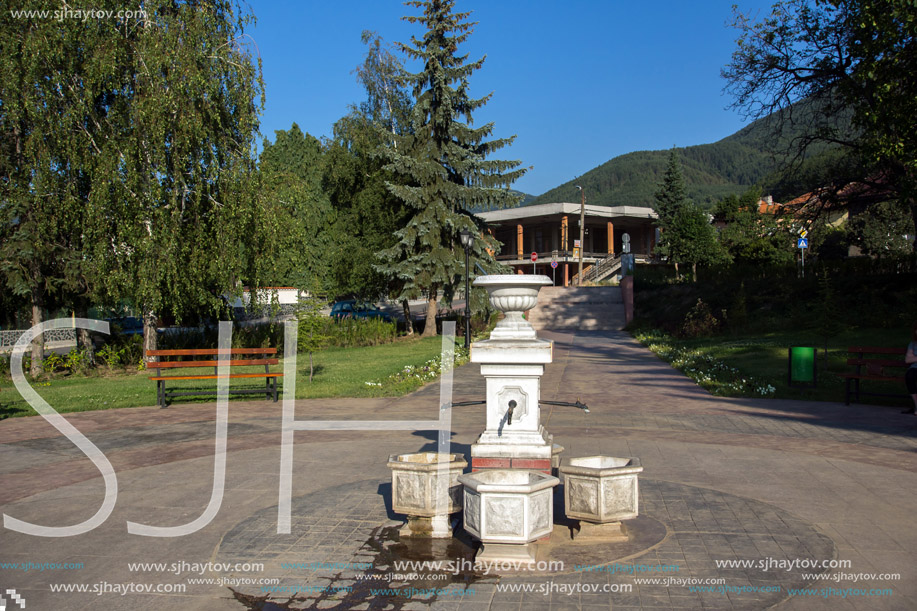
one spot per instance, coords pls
(803, 233)
(534, 257)
(553, 264)
(625, 242)
(802, 243)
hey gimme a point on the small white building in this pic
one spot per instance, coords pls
(282, 295)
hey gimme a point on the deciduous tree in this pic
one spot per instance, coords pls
(127, 158)
(355, 177)
(750, 237)
(304, 236)
(691, 239)
(828, 65)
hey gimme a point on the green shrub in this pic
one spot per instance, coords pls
(700, 321)
(111, 355)
(187, 338)
(738, 311)
(52, 363)
(262, 335)
(355, 332)
(76, 360)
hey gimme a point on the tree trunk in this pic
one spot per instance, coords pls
(429, 327)
(694, 272)
(676, 270)
(149, 333)
(310, 367)
(406, 308)
(914, 216)
(38, 344)
(83, 339)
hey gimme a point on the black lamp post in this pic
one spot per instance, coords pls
(467, 240)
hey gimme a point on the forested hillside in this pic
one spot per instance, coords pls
(711, 171)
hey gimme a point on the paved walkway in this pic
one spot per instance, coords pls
(736, 490)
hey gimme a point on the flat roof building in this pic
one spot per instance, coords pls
(551, 229)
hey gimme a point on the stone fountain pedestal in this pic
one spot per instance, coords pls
(512, 363)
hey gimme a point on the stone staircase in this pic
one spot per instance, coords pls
(594, 308)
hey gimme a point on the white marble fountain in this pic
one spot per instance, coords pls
(508, 496)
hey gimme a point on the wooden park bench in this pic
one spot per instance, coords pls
(258, 356)
(873, 363)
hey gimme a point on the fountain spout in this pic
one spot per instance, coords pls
(509, 412)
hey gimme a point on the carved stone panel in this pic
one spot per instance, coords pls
(583, 495)
(505, 516)
(513, 393)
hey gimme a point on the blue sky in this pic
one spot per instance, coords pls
(578, 82)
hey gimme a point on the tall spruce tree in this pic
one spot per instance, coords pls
(444, 174)
(672, 195)
(669, 200)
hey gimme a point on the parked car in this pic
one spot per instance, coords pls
(126, 325)
(352, 308)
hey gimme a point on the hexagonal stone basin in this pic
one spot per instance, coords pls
(427, 490)
(601, 489)
(508, 506)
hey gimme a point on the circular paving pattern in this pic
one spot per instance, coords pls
(343, 553)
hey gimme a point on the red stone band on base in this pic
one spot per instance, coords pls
(531, 464)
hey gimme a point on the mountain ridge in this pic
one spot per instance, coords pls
(730, 165)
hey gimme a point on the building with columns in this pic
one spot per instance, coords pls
(550, 230)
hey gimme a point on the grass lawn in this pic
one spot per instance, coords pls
(339, 372)
(763, 358)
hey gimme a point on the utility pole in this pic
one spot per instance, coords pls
(582, 230)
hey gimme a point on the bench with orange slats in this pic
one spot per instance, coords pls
(869, 364)
(258, 356)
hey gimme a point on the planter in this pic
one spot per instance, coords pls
(513, 295)
(507, 509)
(427, 491)
(601, 489)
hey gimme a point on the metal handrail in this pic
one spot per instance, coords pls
(611, 261)
(596, 270)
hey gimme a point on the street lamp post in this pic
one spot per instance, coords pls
(582, 229)
(467, 240)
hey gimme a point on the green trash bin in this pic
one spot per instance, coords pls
(802, 371)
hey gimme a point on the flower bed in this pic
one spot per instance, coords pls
(708, 372)
(416, 376)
